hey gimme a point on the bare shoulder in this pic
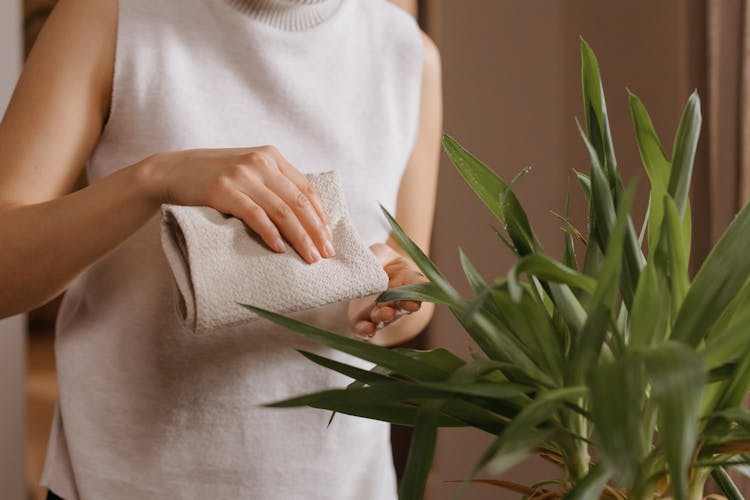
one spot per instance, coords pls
(61, 101)
(76, 46)
(430, 58)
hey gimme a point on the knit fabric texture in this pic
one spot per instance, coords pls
(218, 262)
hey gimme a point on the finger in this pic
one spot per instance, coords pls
(241, 206)
(364, 328)
(286, 221)
(364, 314)
(304, 185)
(410, 305)
(382, 314)
(305, 211)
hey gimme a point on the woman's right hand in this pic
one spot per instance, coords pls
(257, 185)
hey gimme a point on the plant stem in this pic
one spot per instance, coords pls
(575, 451)
(578, 463)
(698, 483)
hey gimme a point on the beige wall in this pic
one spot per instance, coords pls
(511, 79)
(12, 330)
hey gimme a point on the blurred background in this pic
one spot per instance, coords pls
(511, 77)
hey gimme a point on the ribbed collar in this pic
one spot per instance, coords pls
(291, 15)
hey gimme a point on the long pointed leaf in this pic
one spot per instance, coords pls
(495, 193)
(650, 314)
(369, 352)
(603, 205)
(618, 420)
(589, 343)
(683, 154)
(592, 485)
(655, 163)
(671, 256)
(595, 111)
(546, 269)
(421, 452)
(475, 279)
(420, 259)
(677, 380)
(721, 277)
(425, 292)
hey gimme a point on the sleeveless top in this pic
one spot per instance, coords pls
(146, 410)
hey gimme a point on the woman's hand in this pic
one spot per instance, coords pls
(365, 315)
(257, 185)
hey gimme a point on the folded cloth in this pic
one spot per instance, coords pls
(217, 261)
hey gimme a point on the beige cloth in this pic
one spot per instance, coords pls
(218, 262)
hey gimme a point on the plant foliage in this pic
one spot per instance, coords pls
(627, 356)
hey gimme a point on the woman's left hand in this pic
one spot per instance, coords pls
(367, 316)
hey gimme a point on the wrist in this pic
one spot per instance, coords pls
(148, 175)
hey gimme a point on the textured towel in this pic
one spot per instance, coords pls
(217, 261)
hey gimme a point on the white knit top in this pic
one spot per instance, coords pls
(147, 410)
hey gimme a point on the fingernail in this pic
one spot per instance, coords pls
(278, 245)
(314, 254)
(328, 249)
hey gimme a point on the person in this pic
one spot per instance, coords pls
(227, 104)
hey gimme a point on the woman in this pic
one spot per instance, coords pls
(223, 103)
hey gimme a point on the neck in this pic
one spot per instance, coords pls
(290, 15)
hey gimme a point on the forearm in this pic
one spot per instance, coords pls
(46, 245)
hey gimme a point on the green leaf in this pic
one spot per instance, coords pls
(569, 254)
(473, 404)
(593, 256)
(735, 415)
(592, 485)
(522, 434)
(489, 339)
(602, 203)
(677, 379)
(475, 416)
(655, 162)
(568, 306)
(671, 256)
(738, 385)
(426, 292)
(475, 279)
(354, 372)
(731, 335)
(513, 452)
(650, 316)
(721, 277)
(585, 182)
(687, 227)
(369, 352)
(618, 420)
(546, 269)
(339, 401)
(439, 358)
(495, 193)
(500, 344)
(726, 484)
(588, 344)
(420, 259)
(531, 326)
(490, 390)
(421, 452)
(603, 208)
(683, 152)
(504, 240)
(595, 111)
